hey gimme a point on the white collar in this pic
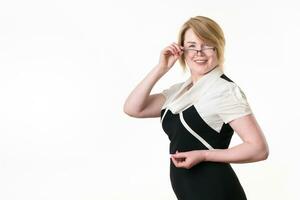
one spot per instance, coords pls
(189, 97)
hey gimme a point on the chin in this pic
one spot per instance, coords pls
(201, 70)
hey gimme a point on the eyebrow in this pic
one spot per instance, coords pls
(191, 42)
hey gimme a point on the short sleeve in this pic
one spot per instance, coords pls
(233, 104)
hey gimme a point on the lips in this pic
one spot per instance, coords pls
(200, 61)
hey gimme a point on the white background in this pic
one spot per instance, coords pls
(66, 68)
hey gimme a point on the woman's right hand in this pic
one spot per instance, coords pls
(169, 56)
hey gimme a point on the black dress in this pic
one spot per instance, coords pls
(198, 119)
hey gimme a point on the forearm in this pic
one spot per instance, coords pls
(242, 153)
(137, 99)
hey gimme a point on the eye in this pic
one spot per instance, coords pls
(192, 45)
(206, 46)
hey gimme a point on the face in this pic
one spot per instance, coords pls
(201, 62)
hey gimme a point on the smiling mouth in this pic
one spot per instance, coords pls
(200, 61)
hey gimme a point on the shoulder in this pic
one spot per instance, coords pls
(225, 92)
(170, 92)
(226, 85)
(229, 93)
(176, 85)
(172, 89)
(232, 102)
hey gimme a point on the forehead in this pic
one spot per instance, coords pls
(191, 38)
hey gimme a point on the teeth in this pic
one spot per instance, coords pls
(200, 61)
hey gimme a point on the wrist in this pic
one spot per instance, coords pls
(161, 69)
(205, 155)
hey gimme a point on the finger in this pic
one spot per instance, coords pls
(181, 164)
(179, 155)
(172, 154)
(174, 161)
(171, 50)
(174, 49)
(177, 47)
(181, 50)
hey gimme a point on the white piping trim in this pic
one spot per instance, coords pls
(193, 132)
(162, 118)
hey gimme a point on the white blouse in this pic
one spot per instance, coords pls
(217, 100)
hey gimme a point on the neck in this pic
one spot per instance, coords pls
(196, 77)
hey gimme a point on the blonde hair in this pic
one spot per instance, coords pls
(208, 31)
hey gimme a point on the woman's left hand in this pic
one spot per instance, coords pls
(188, 159)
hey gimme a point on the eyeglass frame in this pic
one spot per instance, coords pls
(199, 50)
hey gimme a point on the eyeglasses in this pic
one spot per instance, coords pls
(208, 51)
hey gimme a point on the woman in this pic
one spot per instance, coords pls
(200, 115)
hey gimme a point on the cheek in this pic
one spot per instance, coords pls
(213, 59)
(188, 59)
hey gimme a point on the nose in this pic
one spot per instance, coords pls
(199, 51)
